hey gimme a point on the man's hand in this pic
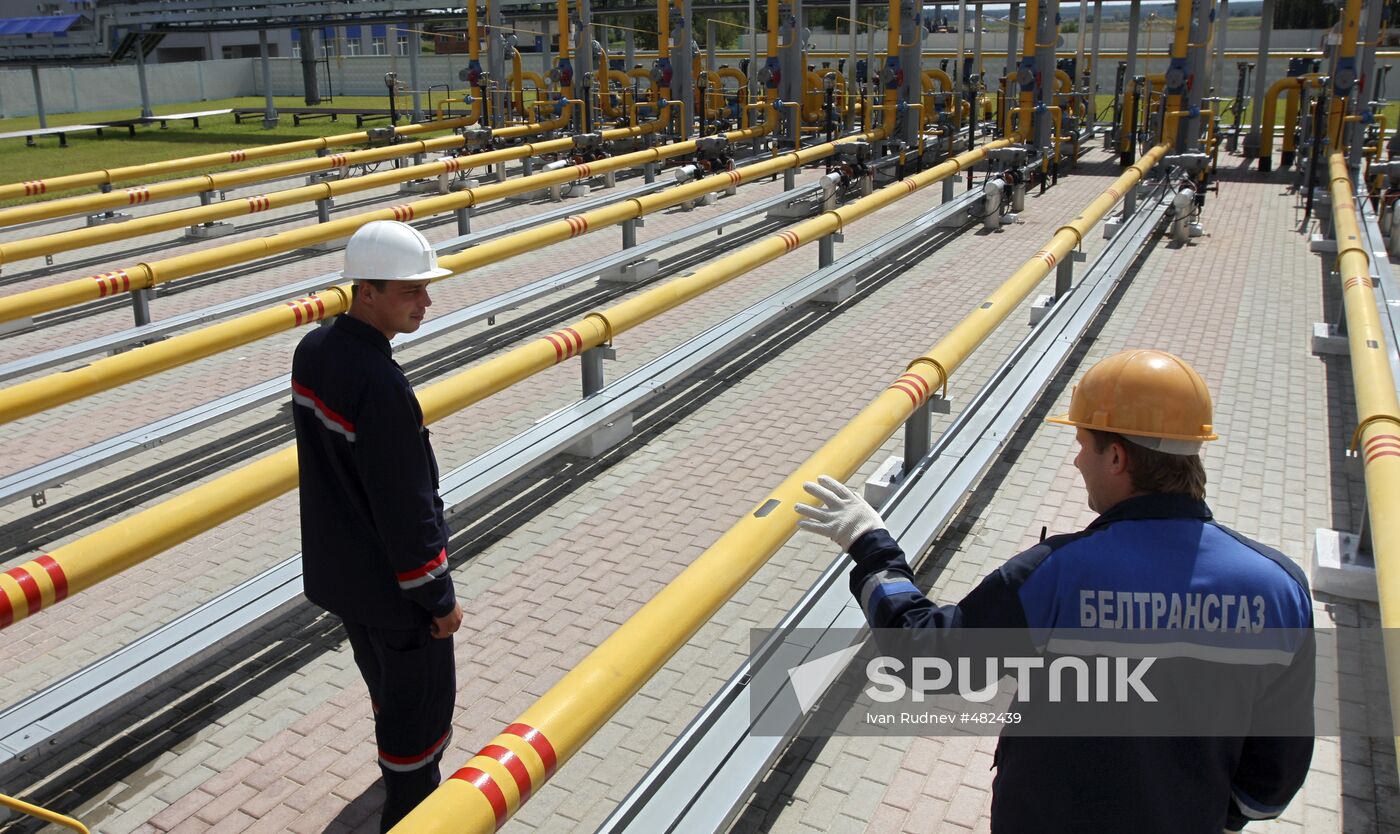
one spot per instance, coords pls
(444, 627)
(845, 518)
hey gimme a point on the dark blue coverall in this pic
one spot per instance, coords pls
(1151, 562)
(374, 543)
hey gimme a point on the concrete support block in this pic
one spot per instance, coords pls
(329, 245)
(1318, 243)
(107, 217)
(1111, 226)
(797, 208)
(432, 186)
(604, 438)
(880, 486)
(631, 273)
(1327, 340)
(207, 231)
(1339, 567)
(837, 294)
(17, 324)
(1041, 308)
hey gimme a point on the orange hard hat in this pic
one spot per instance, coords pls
(1151, 397)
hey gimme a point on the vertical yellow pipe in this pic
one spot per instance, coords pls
(473, 33)
(1181, 44)
(1346, 62)
(563, 29)
(1028, 41)
(772, 28)
(663, 29)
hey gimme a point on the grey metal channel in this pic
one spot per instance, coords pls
(107, 686)
(1383, 276)
(700, 783)
(155, 330)
(54, 472)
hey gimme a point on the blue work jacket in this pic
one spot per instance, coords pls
(1151, 562)
(373, 538)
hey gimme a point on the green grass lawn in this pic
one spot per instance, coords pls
(86, 152)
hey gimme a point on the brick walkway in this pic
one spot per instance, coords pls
(275, 735)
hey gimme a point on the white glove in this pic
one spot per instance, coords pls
(845, 518)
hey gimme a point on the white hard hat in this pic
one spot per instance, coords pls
(387, 250)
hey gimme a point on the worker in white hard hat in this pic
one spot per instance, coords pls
(374, 541)
(1153, 563)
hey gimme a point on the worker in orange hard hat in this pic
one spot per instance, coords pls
(1154, 562)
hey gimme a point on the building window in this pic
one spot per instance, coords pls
(296, 49)
(352, 46)
(377, 44)
(403, 44)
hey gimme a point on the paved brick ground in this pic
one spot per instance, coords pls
(274, 734)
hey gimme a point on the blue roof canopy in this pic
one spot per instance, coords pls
(51, 25)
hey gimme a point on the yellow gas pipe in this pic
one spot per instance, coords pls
(1377, 435)
(34, 247)
(1346, 51)
(80, 564)
(39, 394)
(481, 796)
(69, 182)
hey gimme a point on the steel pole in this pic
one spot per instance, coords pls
(1094, 62)
(1126, 140)
(146, 111)
(38, 98)
(270, 111)
(1261, 70)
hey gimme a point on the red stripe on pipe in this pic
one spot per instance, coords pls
(536, 739)
(1382, 438)
(126, 280)
(1114, 192)
(296, 311)
(909, 388)
(56, 576)
(918, 382)
(7, 610)
(513, 765)
(907, 392)
(101, 285)
(558, 347)
(1383, 453)
(320, 307)
(566, 342)
(483, 782)
(578, 340)
(911, 185)
(30, 586)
